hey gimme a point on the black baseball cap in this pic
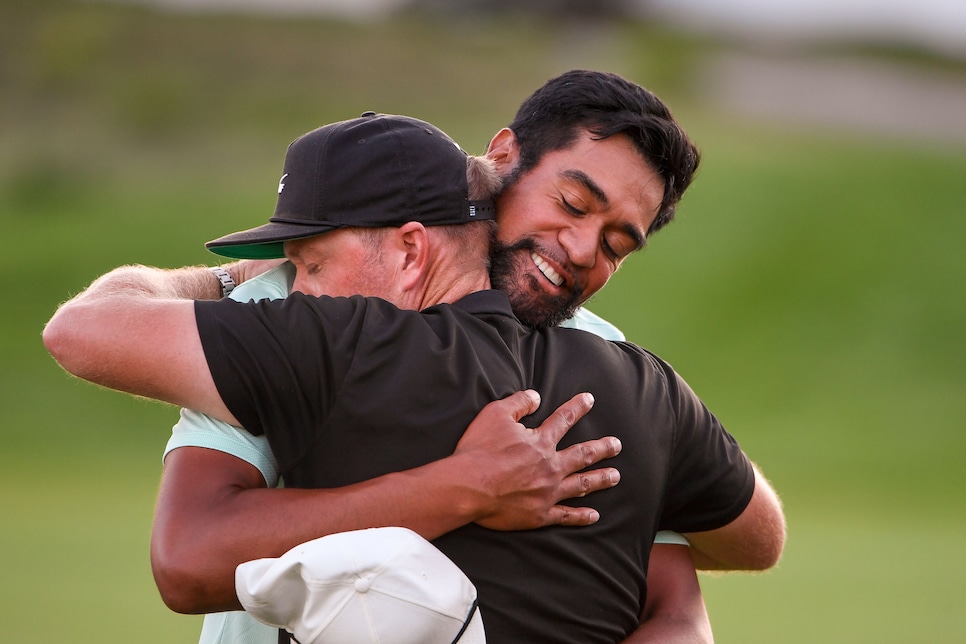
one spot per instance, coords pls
(379, 170)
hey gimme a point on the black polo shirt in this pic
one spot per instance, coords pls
(347, 389)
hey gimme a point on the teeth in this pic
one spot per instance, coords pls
(548, 272)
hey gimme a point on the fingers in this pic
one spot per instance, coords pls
(567, 516)
(583, 483)
(517, 405)
(577, 457)
(578, 485)
(566, 416)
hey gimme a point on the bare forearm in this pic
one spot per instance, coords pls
(503, 475)
(84, 331)
(134, 331)
(753, 541)
(674, 611)
(187, 283)
(666, 628)
(236, 525)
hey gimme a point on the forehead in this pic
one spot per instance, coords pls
(324, 244)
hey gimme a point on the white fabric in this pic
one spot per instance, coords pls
(589, 321)
(671, 538)
(382, 585)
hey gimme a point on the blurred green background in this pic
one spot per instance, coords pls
(811, 290)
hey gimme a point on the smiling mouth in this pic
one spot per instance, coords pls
(555, 278)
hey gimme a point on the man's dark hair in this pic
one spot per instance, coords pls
(607, 104)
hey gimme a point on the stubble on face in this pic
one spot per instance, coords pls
(511, 272)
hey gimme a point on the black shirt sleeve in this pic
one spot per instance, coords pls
(279, 363)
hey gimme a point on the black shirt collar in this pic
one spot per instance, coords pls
(485, 302)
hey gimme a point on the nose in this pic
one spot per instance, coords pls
(580, 243)
(302, 284)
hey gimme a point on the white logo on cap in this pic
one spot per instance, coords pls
(281, 186)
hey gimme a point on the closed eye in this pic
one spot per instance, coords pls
(618, 247)
(572, 209)
(610, 252)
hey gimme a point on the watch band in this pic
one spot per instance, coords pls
(227, 283)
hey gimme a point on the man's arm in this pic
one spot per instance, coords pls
(753, 541)
(127, 331)
(674, 612)
(222, 503)
(134, 330)
(711, 478)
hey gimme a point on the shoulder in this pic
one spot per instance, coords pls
(586, 320)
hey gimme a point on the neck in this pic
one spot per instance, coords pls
(458, 290)
(448, 286)
(449, 291)
(454, 267)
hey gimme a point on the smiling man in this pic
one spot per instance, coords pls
(350, 390)
(588, 207)
(592, 165)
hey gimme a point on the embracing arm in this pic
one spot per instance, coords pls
(134, 330)
(753, 541)
(674, 612)
(502, 475)
(717, 474)
(221, 502)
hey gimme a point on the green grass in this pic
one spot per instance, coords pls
(810, 291)
(75, 556)
(849, 576)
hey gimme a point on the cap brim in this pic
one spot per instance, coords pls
(264, 242)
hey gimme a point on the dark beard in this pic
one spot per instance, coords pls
(535, 312)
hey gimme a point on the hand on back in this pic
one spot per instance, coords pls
(523, 472)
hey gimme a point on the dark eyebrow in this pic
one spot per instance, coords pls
(581, 177)
(587, 182)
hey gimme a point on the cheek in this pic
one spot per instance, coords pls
(519, 223)
(519, 216)
(311, 284)
(299, 284)
(304, 287)
(507, 223)
(598, 279)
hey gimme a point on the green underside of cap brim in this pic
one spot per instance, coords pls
(268, 250)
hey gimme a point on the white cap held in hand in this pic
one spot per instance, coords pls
(383, 585)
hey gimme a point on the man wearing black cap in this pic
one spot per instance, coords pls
(445, 362)
(538, 249)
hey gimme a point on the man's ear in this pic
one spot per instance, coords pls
(412, 254)
(504, 151)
